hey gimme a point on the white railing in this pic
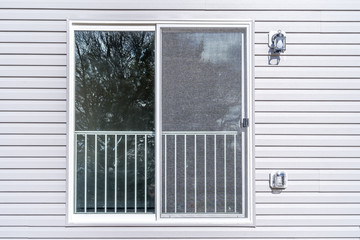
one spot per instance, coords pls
(96, 149)
(105, 144)
(203, 147)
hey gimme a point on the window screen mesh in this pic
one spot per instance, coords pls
(201, 115)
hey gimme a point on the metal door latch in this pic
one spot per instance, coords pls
(245, 122)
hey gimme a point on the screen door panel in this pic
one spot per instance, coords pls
(201, 116)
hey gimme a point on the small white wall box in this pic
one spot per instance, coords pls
(278, 180)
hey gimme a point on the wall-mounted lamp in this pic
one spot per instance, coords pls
(277, 41)
(278, 180)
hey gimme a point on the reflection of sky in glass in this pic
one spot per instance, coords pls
(201, 79)
(221, 48)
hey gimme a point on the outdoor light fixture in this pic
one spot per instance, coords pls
(277, 41)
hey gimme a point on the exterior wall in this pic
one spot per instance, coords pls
(307, 116)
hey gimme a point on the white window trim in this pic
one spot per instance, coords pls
(89, 219)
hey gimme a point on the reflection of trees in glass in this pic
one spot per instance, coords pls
(114, 74)
(114, 80)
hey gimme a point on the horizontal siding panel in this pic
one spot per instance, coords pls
(266, 106)
(293, 186)
(291, 27)
(32, 151)
(33, 71)
(32, 209)
(38, 94)
(322, 175)
(307, 118)
(307, 220)
(311, 50)
(32, 37)
(33, 48)
(32, 140)
(32, 197)
(187, 4)
(313, 186)
(303, 198)
(185, 232)
(332, 95)
(107, 4)
(323, 129)
(33, 128)
(279, 5)
(340, 16)
(30, 186)
(339, 175)
(116, 15)
(247, 238)
(320, 72)
(287, 140)
(33, 60)
(311, 84)
(33, 163)
(312, 38)
(308, 209)
(27, 117)
(33, 26)
(29, 105)
(338, 152)
(340, 186)
(32, 174)
(309, 61)
(182, 238)
(302, 27)
(32, 221)
(307, 163)
(32, 82)
(308, 27)
(113, 15)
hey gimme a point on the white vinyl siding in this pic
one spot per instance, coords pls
(306, 116)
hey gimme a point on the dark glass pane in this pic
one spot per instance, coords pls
(114, 81)
(114, 94)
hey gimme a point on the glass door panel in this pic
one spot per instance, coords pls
(201, 79)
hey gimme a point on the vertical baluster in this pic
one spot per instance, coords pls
(175, 176)
(195, 186)
(95, 192)
(185, 169)
(85, 175)
(115, 187)
(76, 173)
(165, 173)
(235, 172)
(225, 172)
(135, 192)
(145, 190)
(205, 173)
(215, 169)
(105, 174)
(125, 182)
(242, 177)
